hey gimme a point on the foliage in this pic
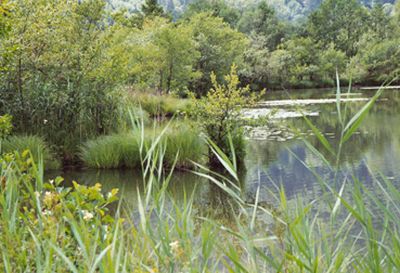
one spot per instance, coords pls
(377, 61)
(152, 8)
(262, 21)
(163, 56)
(59, 77)
(5, 126)
(110, 152)
(37, 147)
(219, 113)
(47, 218)
(218, 8)
(341, 22)
(220, 46)
(47, 226)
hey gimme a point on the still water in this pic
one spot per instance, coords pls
(286, 161)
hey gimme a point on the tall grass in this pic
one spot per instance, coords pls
(160, 105)
(346, 229)
(35, 144)
(182, 143)
(114, 151)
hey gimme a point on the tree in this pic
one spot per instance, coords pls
(262, 21)
(341, 22)
(151, 8)
(56, 74)
(163, 56)
(379, 22)
(378, 59)
(217, 8)
(255, 71)
(219, 45)
(330, 62)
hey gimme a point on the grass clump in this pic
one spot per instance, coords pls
(161, 105)
(111, 152)
(181, 142)
(184, 141)
(35, 144)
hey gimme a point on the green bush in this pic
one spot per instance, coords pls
(36, 145)
(219, 114)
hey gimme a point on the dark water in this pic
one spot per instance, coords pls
(270, 164)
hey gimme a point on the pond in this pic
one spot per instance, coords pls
(281, 159)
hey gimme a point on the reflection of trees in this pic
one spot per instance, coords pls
(375, 140)
(376, 130)
(262, 152)
(128, 181)
(220, 205)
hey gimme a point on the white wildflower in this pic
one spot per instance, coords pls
(174, 246)
(87, 216)
(47, 212)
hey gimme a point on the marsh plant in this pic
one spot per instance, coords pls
(182, 141)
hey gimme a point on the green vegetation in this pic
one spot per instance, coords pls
(94, 86)
(5, 126)
(114, 151)
(219, 114)
(349, 228)
(164, 106)
(182, 145)
(67, 69)
(35, 145)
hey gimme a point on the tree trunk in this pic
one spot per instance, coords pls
(169, 80)
(160, 86)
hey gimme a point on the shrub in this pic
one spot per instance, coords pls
(219, 114)
(36, 145)
(39, 216)
(5, 125)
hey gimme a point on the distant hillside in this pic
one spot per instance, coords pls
(286, 9)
